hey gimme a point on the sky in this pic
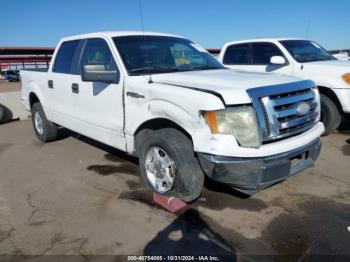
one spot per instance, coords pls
(210, 23)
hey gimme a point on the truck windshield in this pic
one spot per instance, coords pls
(306, 51)
(161, 54)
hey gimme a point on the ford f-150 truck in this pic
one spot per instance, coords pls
(301, 58)
(166, 100)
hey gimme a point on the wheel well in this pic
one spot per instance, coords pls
(159, 123)
(33, 99)
(330, 94)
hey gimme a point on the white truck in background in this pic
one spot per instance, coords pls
(167, 101)
(301, 58)
(342, 56)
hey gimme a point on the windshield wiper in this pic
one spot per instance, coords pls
(158, 69)
(203, 67)
(315, 59)
(141, 69)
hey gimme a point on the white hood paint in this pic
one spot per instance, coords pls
(326, 73)
(230, 84)
(331, 66)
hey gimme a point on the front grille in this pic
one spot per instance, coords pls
(285, 110)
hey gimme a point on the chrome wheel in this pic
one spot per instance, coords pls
(160, 169)
(38, 123)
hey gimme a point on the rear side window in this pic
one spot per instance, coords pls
(97, 52)
(237, 55)
(65, 57)
(262, 53)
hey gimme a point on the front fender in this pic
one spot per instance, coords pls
(172, 112)
(181, 106)
(159, 109)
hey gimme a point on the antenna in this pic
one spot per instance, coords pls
(150, 81)
(141, 18)
(307, 29)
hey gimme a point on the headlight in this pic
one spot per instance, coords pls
(346, 78)
(318, 100)
(240, 121)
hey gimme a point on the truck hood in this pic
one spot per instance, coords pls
(332, 66)
(230, 84)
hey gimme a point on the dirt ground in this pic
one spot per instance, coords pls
(78, 197)
(6, 86)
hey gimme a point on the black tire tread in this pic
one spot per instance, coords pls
(50, 129)
(2, 114)
(189, 177)
(331, 117)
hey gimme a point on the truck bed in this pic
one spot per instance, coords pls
(35, 78)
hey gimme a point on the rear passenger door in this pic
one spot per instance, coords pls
(99, 106)
(261, 54)
(59, 86)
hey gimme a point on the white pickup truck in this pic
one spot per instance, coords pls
(342, 56)
(166, 100)
(301, 58)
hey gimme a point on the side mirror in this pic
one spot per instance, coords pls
(277, 60)
(99, 73)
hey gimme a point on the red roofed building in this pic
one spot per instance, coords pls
(15, 58)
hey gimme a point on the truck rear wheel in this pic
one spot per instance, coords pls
(168, 165)
(45, 130)
(330, 115)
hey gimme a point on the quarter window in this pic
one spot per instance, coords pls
(237, 55)
(262, 53)
(65, 57)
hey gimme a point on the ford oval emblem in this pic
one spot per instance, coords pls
(302, 108)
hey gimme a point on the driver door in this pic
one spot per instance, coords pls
(99, 106)
(261, 56)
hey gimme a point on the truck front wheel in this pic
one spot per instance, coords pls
(168, 164)
(45, 130)
(330, 115)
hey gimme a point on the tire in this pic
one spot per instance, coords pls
(46, 131)
(330, 115)
(188, 177)
(2, 114)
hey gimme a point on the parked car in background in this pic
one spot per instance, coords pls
(166, 100)
(3, 76)
(301, 58)
(12, 75)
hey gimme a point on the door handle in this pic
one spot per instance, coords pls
(75, 88)
(135, 95)
(50, 84)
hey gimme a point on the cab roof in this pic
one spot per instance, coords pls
(115, 34)
(263, 40)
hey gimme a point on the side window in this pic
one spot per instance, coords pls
(97, 52)
(237, 55)
(65, 57)
(262, 53)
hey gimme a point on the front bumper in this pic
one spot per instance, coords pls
(250, 175)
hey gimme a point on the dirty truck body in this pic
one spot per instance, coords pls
(166, 100)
